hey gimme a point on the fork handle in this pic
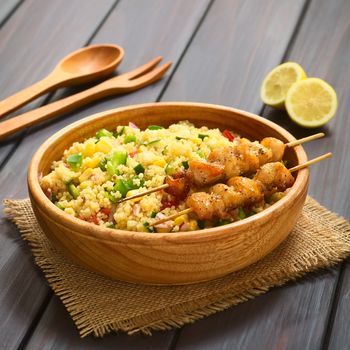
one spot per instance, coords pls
(54, 109)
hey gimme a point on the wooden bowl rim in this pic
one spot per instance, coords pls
(133, 237)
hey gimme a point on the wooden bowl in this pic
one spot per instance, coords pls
(167, 258)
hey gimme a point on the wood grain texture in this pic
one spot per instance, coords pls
(190, 83)
(119, 85)
(298, 321)
(326, 59)
(229, 56)
(6, 7)
(177, 20)
(26, 44)
(267, 321)
(338, 336)
(56, 330)
(22, 288)
(300, 325)
(331, 184)
(169, 258)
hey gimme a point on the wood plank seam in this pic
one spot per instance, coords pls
(9, 15)
(21, 137)
(36, 320)
(49, 296)
(289, 46)
(326, 338)
(185, 50)
(292, 39)
(339, 279)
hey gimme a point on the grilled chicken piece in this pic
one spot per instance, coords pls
(204, 174)
(207, 205)
(276, 146)
(228, 195)
(274, 177)
(179, 186)
(250, 191)
(244, 158)
(240, 192)
(223, 198)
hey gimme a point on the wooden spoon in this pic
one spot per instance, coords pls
(81, 66)
(121, 84)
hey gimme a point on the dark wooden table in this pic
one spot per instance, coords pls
(221, 51)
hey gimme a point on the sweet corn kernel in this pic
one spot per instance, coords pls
(86, 184)
(89, 149)
(92, 162)
(180, 220)
(103, 146)
(131, 193)
(244, 140)
(69, 211)
(196, 141)
(193, 225)
(160, 162)
(85, 175)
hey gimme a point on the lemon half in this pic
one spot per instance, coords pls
(311, 102)
(276, 84)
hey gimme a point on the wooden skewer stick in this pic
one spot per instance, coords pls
(310, 162)
(305, 139)
(162, 187)
(173, 216)
(141, 194)
(298, 167)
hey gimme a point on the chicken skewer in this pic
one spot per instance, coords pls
(240, 191)
(203, 173)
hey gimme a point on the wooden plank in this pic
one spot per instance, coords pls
(296, 316)
(177, 20)
(338, 336)
(30, 63)
(237, 43)
(28, 53)
(6, 7)
(56, 330)
(329, 183)
(266, 322)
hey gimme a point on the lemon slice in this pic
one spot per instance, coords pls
(311, 102)
(278, 81)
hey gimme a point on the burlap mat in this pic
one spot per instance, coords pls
(99, 305)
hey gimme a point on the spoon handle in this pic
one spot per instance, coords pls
(53, 109)
(28, 94)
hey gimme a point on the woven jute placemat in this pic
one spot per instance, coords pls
(99, 305)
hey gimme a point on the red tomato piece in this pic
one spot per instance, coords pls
(133, 154)
(228, 135)
(168, 203)
(105, 211)
(93, 219)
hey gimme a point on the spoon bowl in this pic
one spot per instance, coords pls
(90, 62)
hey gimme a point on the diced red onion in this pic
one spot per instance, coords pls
(167, 224)
(136, 209)
(134, 126)
(185, 226)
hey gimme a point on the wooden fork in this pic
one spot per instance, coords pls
(122, 84)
